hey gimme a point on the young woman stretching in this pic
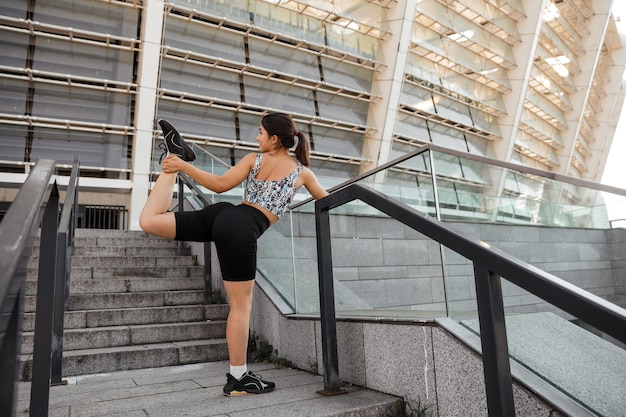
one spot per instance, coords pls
(272, 177)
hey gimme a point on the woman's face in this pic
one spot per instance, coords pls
(266, 142)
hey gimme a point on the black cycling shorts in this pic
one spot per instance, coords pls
(234, 229)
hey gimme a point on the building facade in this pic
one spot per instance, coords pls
(534, 82)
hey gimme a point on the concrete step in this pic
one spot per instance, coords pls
(104, 360)
(108, 261)
(138, 284)
(134, 303)
(106, 337)
(196, 390)
(134, 316)
(127, 251)
(86, 272)
(123, 239)
(125, 300)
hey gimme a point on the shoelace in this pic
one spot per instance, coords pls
(164, 149)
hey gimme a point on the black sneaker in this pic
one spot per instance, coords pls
(247, 384)
(174, 143)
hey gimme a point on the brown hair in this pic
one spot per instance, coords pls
(283, 126)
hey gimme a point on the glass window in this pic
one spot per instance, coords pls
(452, 110)
(94, 16)
(283, 59)
(337, 142)
(331, 173)
(344, 74)
(249, 127)
(13, 48)
(485, 121)
(95, 149)
(86, 60)
(447, 136)
(186, 35)
(423, 69)
(474, 171)
(447, 165)
(288, 22)
(200, 80)
(13, 142)
(72, 103)
(275, 95)
(418, 162)
(203, 121)
(352, 42)
(410, 126)
(13, 8)
(345, 109)
(13, 96)
(476, 144)
(231, 9)
(417, 97)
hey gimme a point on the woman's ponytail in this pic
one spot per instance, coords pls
(302, 149)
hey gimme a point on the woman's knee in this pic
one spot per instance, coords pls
(163, 225)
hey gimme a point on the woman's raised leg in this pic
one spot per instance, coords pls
(154, 218)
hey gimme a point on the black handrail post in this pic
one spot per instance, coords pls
(65, 250)
(327, 302)
(40, 386)
(208, 279)
(181, 208)
(60, 281)
(495, 352)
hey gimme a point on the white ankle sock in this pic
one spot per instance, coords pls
(238, 371)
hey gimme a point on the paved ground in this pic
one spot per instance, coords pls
(196, 390)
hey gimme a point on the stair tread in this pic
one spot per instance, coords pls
(136, 293)
(139, 347)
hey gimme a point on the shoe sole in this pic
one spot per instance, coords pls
(186, 153)
(243, 393)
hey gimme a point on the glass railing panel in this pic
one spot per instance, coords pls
(381, 268)
(569, 355)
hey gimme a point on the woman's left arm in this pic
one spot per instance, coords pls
(309, 180)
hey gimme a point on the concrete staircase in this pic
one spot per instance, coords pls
(134, 303)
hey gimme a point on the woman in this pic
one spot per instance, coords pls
(272, 177)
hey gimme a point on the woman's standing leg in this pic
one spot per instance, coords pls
(239, 295)
(154, 218)
(240, 381)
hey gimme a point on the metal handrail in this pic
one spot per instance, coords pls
(37, 201)
(17, 232)
(479, 158)
(489, 265)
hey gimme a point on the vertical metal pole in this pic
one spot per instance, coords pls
(181, 208)
(208, 279)
(327, 303)
(40, 387)
(442, 255)
(58, 310)
(495, 352)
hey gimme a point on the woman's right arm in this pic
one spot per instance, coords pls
(216, 183)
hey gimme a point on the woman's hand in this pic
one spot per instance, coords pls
(172, 164)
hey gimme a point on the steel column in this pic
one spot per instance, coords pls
(40, 387)
(327, 303)
(495, 352)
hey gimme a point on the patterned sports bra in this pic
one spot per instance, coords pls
(273, 195)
